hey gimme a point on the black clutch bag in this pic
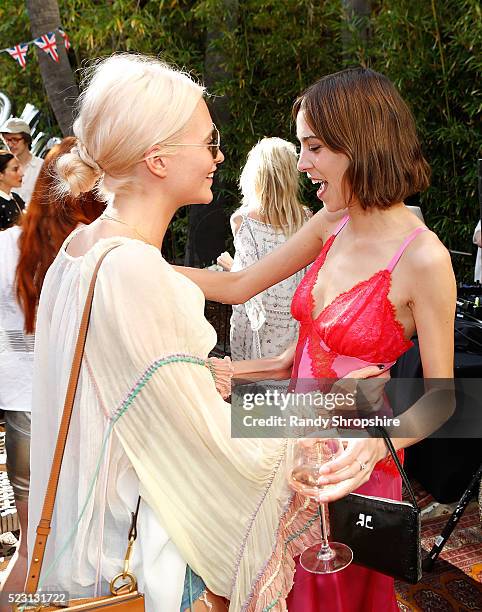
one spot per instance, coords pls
(383, 534)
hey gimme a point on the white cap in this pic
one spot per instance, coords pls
(14, 125)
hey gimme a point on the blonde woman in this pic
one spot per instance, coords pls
(271, 212)
(147, 413)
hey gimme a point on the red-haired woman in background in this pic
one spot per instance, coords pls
(26, 252)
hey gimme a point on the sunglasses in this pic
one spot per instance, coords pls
(214, 144)
(12, 139)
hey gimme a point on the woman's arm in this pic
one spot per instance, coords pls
(269, 368)
(238, 287)
(433, 301)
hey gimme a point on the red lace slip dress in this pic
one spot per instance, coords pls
(358, 328)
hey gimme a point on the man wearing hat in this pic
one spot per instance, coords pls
(17, 136)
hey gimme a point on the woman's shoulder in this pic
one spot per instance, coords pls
(325, 223)
(18, 199)
(127, 256)
(427, 263)
(427, 249)
(237, 218)
(133, 265)
(245, 213)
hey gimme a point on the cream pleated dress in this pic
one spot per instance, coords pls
(148, 422)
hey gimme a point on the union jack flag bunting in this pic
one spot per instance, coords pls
(47, 43)
(66, 38)
(19, 53)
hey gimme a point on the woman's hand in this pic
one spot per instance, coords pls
(222, 371)
(225, 261)
(285, 360)
(366, 384)
(352, 468)
(355, 464)
(268, 368)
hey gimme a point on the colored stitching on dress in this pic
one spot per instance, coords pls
(273, 550)
(290, 522)
(252, 519)
(148, 374)
(292, 537)
(273, 603)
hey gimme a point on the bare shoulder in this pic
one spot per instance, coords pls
(427, 254)
(235, 220)
(326, 222)
(430, 266)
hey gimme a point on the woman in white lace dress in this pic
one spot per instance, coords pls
(271, 212)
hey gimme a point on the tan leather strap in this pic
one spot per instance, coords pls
(43, 528)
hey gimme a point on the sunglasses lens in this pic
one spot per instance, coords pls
(215, 140)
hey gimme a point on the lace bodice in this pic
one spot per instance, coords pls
(359, 323)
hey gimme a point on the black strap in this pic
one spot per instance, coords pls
(395, 458)
(134, 515)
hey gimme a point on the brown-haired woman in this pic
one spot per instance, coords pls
(26, 251)
(11, 204)
(370, 288)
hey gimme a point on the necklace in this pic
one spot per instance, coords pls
(132, 227)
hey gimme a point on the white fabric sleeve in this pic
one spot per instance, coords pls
(204, 486)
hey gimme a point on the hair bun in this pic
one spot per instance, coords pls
(81, 150)
(78, 172)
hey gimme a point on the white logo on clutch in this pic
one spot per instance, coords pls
(364, 520)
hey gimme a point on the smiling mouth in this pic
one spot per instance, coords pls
(322, 188)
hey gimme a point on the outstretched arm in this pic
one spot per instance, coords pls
(238, 287)
(268, 368)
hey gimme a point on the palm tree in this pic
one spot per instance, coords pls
(58, 77)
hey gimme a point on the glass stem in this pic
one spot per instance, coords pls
(325, 553)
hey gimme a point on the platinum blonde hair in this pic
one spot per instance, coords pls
(131, 103)
(270, 184)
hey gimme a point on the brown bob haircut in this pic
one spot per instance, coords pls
(359, 112)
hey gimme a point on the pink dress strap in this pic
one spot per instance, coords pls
(406, 242)
(341, 225)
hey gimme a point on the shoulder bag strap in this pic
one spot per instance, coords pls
(402, 472)
(43, 528)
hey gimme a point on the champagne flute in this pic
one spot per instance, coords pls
(305, 460)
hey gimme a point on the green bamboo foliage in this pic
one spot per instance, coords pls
(431, 50)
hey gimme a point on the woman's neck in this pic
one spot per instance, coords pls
(146, 217)
(376, 221)
(6, 188)
(25, 157)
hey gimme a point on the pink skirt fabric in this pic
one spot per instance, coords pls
(354, 589)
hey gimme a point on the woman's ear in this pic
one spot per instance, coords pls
(155, 163)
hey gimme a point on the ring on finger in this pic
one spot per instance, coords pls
(363, 465)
